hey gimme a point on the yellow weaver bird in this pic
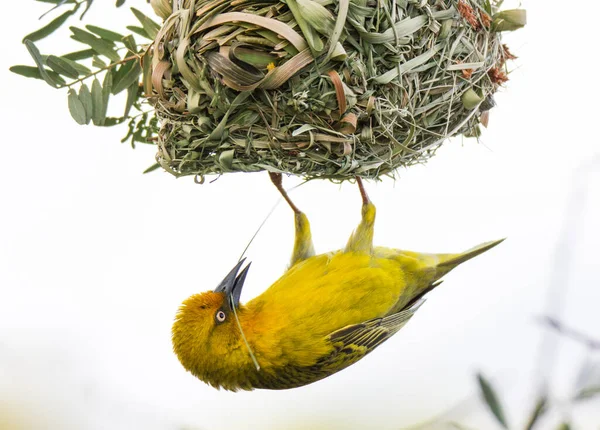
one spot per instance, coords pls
(324, 314)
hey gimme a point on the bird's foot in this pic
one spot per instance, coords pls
(363, 192)
(303, 245)
(276, 178)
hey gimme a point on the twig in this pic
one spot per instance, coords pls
(571, 333)
(94, 73)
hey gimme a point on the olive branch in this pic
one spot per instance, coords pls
(121, 59)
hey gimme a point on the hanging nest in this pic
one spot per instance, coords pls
(321, 88)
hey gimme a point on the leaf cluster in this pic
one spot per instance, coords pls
(108, 64)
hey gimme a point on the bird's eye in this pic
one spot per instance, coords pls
(220, 316)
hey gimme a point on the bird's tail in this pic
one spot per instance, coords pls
(423, 271)
(447, 262)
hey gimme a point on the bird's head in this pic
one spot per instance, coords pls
(206, 336)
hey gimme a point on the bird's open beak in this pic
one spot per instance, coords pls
(233, 283)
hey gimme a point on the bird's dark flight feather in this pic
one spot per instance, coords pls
(350, 344)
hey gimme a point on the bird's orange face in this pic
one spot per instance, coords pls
(206, 310)
(208, 314)
(205, 333)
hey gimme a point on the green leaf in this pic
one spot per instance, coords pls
(98, 62)
(130, 44)
(126, 79)
(311, 36)
(256, 58)
(138, 30)
(88, 4)
(587, 393)
(130, 131)
(76, 108)
(151, 168)
(85, 96)
(147, 74)
(317, 16)
(49, 28)
(80, 55)
(107, 86)
(102, 47)
(489, 395)
(62, 67)
(39, 61)
(81, 69)
(487, 7)
(146, 129)
(58, 4)
(120, 71)
(106, 89)
(34, 72)
(509, 20)
(587, 384)
(98, 107)
(470, 99)
(120, 3)
(113, 121)
(539, 410)
(105, 34)
(27, 71)
(226, 159)
(150, 26)
(132, 92)
(219, 131)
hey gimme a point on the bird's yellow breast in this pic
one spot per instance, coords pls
(289, 323)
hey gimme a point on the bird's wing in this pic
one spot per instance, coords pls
(350, 344)
(365, 337)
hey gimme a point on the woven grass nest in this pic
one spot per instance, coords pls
(320, 88)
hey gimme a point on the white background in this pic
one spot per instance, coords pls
(96, 257)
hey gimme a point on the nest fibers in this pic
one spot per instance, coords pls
(320, 88)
